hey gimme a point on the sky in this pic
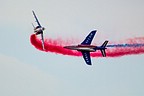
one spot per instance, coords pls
(26, 71)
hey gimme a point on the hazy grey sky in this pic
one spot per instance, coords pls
(26, 71)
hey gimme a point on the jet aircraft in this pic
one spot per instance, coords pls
(85, 48)
(39, 29)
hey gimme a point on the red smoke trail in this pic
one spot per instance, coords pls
(56, 46)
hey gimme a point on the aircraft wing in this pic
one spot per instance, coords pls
(42, 38)
(36, 19)
(89, 38)
(86, 56)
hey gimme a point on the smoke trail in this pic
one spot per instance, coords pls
(54, 46)
(131, 46)
(126, 45)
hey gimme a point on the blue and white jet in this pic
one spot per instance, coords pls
(39, 29)
(85, 48)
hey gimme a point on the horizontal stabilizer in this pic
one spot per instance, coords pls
(104, 44)
(103, 53)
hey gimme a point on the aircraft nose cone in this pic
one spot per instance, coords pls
(67, 47)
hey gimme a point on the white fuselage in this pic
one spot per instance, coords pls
(85, 49)
(89, 48)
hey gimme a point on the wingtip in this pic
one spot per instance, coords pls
(89, 64)
(95, 30)
(33, 12)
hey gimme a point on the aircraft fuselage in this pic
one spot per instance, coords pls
(89, 48)
(38, 30)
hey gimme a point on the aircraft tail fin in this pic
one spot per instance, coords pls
(33, 25)
(103, 47)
